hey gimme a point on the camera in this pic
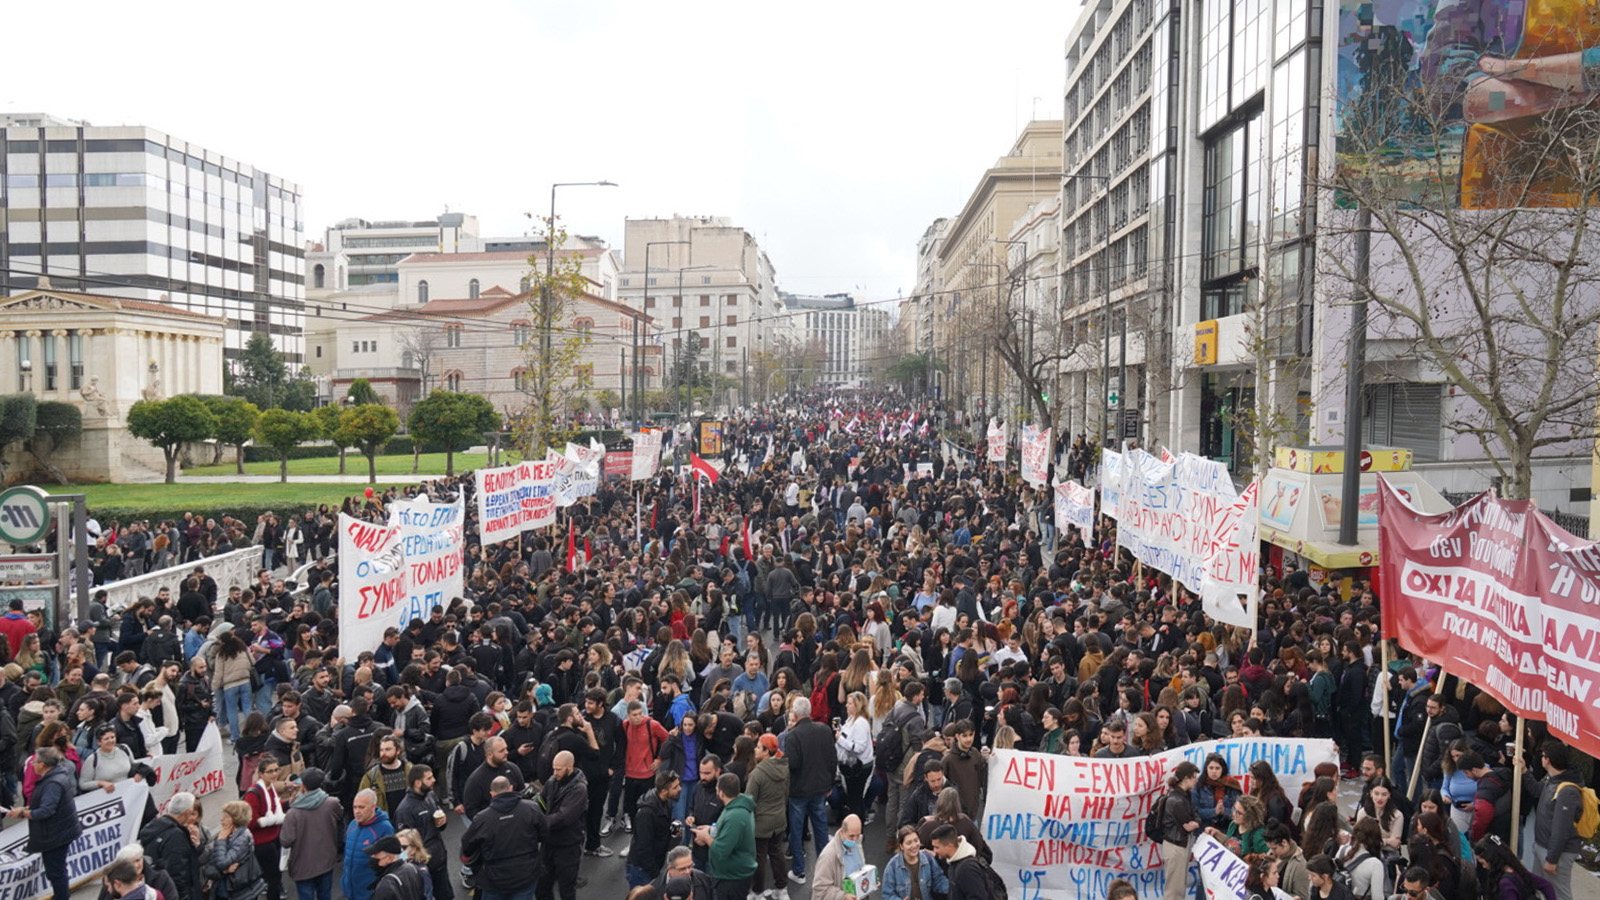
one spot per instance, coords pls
(676, 829)
(837, 722)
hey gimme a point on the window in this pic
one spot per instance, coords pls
(677, 302)
(583, 323)
(649, 303)
(677, 321)
(705, 279)
(75, 358)
(731, 299)
(319, 351)
(422, 292)
(733, 341)
(520, 330)
(452, 336)
(452, 381)
(524, 285)
(519, 378)
(705, 299)
(705, 321)
(652, 283)
(472, 289)
(318, 275)
(49, 343)
(733, 320)
(705, 342)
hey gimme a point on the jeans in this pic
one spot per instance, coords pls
(1398, 768)
(636, 876)
(264, 697)
(55, 871)
(233, 705)
(318, 888)
(815, 808)
(523, 894)
(680, 806)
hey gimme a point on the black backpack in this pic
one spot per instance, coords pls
(1153, 830)
(994, 885)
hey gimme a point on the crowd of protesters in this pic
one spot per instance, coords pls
(816, 642)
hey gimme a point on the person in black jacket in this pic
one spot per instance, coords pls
(968, 881)
(1351, 703)
(418, 809)
(173, 841)
(496, 764)
(502, 845)
(1179, 822)
(602, 728)
(52, 817)
(923, 796)
(397, 879)
(412, 719)
(813, 763)
(565, 799)
(347, 760)
(652, 830)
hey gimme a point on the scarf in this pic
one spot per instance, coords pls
(309, 799)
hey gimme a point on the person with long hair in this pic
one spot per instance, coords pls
(231, 682)
(1145, 734)
(1179, 821)
(1364, 861)
(1379, 805)
(947, 810)
(1264, 786)
(1263, 877)
(1051, 742)
(1320, 830)
(1246, 833)
(1216, 793)
(853, 744)
(1506, 877)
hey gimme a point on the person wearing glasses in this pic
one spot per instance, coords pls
(1415, 884)
(680, 869)
(1555, 836)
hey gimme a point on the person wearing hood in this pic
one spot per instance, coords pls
(310, 832)
(502, 845)
(52, 817)
(732, 840)
(842, 856)
(397, 879)
(963, 866)
(1444, 728)
(368, 825)
(194, 699)
(1213, 797)
(411, 724)
(768, 789)
(283, 744)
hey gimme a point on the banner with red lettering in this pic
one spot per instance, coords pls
(372, 581)
(1172, 511)
(1035, 455)
(1063, 827)
(432, 540)
(997, 441)
(198, 773)
(1501, 596)
(1233, 569)
(513, 499)
(646, 455)
(1075, 507)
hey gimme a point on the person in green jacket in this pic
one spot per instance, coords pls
(732, 839)
(1247, 832)
(1054, 734)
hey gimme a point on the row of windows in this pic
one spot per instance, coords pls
(705, 300)
(49, 370)
(152, 248)
(134, 145)
(704, 279)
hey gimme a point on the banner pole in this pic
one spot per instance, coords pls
(1516, 787)
(1383, 685)
(1427, 723)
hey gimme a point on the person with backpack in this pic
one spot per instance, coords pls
(970, 877)
(1363, 869)
(1499, 870)
(1174, 825)
(1557, 837)
(901, 734)
(1320, 875)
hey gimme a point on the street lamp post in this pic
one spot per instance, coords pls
(983, 402)
(547, 299)
(638, 402)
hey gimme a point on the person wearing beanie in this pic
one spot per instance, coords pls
(396, 878)
(768, 787)
(310, 832)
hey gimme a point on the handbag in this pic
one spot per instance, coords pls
(255, 679)
(246, 882)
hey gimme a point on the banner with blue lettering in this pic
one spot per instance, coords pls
(1063, 827)
(109, 821)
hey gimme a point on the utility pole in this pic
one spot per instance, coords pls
(547, 300)
(1355, 374)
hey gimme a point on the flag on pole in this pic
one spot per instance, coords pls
(702, 469)
(572, 546)
(744, 539)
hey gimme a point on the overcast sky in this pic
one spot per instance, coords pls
(832, 131)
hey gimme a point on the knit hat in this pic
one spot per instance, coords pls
(312, 779)
(543, 696)
(770, 741)
(386, 844)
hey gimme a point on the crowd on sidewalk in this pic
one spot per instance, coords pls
(742, 676)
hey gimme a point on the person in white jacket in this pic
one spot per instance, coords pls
(853, 743)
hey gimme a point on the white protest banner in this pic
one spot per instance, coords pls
(198, 773)
(109, 821)
(1222, 873)
(1172, 512)
(646, 454)
(1235, 564)
(372, 582)
(1063, 827)
(1035, 455)
(997, 441)
(1110, 483)
(512, 499)
(1075, 507)
(924, 470)
(576, 475)
(432, 540)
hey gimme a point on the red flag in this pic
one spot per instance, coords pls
(744, 540)
(695, 517)
(572, 546)
(587, 554)
(701, 468)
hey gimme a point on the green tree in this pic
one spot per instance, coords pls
(283, 430)
(18, 420)
(58, 423)
(555, 348)
(456, 421)
(169, 424)
(259, 374)
(367, 428)
(328, 423)
(361, 393)
(235, 417)
(300, 393)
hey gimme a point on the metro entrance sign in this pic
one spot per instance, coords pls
(24, 515)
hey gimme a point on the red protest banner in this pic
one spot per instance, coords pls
(1502, 596)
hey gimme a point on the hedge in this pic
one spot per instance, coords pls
(399, 445)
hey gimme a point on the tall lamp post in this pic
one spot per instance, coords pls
(638, 392)
(546, 299)
(983, 402)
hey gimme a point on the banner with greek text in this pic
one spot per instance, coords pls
(997, 441)
(198, 773)
(646, 454)
(432, 541)
(1172, 510)
(372, 581)
(1234, 566)
(109, 821)
(513, 499)
(1035, 455)
(1502, 597)
(1222, 873)
(1063, 827)
(1075, 506)
(1111, 463)
(576, 473)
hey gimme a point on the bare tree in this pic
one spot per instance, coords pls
(422, 343)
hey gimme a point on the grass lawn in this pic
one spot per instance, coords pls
(208, 499)
(355, 464)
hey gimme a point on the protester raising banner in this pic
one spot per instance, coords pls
(198, 773)
(997, 441)
(1075, 507)
(1222, 873)
(372, 581)
(109, 821)
(1505, 597)
(1036, 455)
(646, 454)
(1110, 483)
(1063, 827)
(513, 499)
(1172, 511)
(1234, 566)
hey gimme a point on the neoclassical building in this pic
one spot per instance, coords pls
(103, 354)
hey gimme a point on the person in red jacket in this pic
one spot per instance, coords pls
(642, 738)
(266, 817)
(15, 625)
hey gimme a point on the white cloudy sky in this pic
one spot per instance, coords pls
(833, 131)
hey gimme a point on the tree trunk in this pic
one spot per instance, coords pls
(372, 467)
(283, 468)
(1520, 485)
(238, 458)
(341, 460)
(172, 463)
(416, 456)
(449, 462)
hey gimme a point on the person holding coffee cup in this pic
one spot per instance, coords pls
(420, 809)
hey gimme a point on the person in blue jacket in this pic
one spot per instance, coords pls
(52, 817)
(367, 824)
(913, 862)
